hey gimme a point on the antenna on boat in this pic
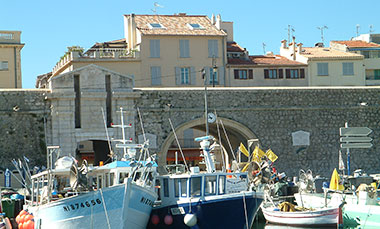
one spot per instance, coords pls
(108, 137)
(179, 145)
(220, 142)
(146, 142)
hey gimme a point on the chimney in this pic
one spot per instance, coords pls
(132, 35)
(213, 19)
(299, 48)
(218, 22)
(294, 48)
(283, 42)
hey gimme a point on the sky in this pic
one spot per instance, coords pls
(49, 27)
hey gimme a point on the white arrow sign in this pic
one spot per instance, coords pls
(355, 145)
(354, 131)
(355, 139)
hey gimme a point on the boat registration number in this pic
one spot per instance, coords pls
(177, 211)
(76, 206)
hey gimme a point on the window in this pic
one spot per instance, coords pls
(77, 101)
(3, 65)
(7, 36)
(294, 74)
(155, 48)
(185, 78)
(108, 100)
(348, 69)
(365, 54)
(195, 26)
(222, 185)
(213, 77)
(155, 73)
(180, 187)
(210, 185)
(323, 69)
(184, 49)
(166, 187)
(183, 187)
(377, 74)
(243, 74)
(212, 48)
(195, 186)
(155, 26)
(176, 187)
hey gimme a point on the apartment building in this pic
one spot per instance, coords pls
(371, 54)
(327, 66)
(10, 59)
(270, 70)
(161, 51)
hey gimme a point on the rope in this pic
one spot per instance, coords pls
(245, 211)
(179, 145)
(105, 209)
(228, 140)
(220, 142)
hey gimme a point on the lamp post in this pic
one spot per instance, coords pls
(214, 70)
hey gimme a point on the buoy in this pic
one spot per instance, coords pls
(29, 224)
(20, 226)
(22, 218)
(23, 212)
(190, 220)
(155, 219)
(18, 219)
(27, 218)
(168, 219)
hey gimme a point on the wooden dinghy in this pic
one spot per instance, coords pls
(314, 217)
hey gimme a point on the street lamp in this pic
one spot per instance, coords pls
(214, 70)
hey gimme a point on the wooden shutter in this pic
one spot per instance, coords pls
(302, 73)
(287, 73)
(280, 73)
(236, 74)
(193, 76)
(177, 76)
(156, 75)
(250, 74)
(266, 74)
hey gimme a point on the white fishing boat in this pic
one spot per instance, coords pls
(117, 195)
(318, 217)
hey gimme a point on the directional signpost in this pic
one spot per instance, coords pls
(354, 137)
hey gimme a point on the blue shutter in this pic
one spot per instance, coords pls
(213, 48)
(177, 76)
(156, 75)
(221, 76)
(193, 76)
(184, 51)
(155, 48)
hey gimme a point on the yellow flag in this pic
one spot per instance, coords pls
(245, 167)
(257, 154)
(243, 150)
(271, 156)
(335, 181)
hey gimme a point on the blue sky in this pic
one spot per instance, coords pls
(49, 27)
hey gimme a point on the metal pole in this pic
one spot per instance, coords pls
(206, 111)
(348, 155)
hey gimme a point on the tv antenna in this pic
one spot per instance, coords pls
(264, 47)
(156, 5)
(371, 30)
(357, 29)
(291, 31)
(322, 28)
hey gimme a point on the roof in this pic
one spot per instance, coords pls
(265, 60)
(232, 46)
(328, 53)
(120, 43)
(176, 25)
(358, 44)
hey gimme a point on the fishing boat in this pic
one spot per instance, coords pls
(204, 199)
(117, 195)
(314, 218)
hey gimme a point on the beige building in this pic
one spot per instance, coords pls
(327, 66)
(10, 59)
(371, 53)
(244, 70)
(160, 50)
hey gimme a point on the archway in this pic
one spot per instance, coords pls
(94, 151)
(236, 133)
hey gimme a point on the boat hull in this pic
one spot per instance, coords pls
(354, 213)
(321, 217)
(121, 206)
(219, 212)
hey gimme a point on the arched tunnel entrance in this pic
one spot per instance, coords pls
(236, 133)
(94, 151)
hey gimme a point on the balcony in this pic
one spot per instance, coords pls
(93, 55)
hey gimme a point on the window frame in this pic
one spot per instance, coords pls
(184, 48)
(155, 49)
(213, 51)
(348, 69)
(191, 186)
(185, 75)
(322, 69)
(155, 75)
(4, 65)
(215, 189)
(165, 184)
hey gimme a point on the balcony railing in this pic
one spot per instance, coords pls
(96, 54)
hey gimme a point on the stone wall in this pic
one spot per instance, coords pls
(22, 114)
(273, 115)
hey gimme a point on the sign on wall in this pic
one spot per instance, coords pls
(301, 138)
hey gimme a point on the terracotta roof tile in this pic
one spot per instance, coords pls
(322, 52)
(176, 25)
(232, 46)
(358, 44)
(267, 60)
